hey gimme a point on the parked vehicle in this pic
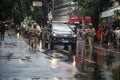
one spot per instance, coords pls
(59, 34)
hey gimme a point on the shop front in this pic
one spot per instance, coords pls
(77, 19)
(110, 16)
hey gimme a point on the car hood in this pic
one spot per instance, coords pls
(63, 32)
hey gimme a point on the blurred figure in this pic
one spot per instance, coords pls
(110, 37)
(43, 35)
(109, 61)
(17, 29)
(35, 33)
(2, 31)
(117, 37)
(6, 25)
(22, 31)
(90, 31)
(99, 32)
(29, 31)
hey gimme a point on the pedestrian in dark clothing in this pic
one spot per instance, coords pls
(2, 31)
(110, 36)
(17, 29)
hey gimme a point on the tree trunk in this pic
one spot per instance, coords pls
(95, 20)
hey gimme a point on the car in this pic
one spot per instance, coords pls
(59, 34)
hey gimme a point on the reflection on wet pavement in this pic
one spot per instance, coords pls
(17, 62)
(101, 64)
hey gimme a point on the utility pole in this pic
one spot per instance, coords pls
(52, 8)
(49, 9)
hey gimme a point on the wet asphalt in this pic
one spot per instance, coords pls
(18, 62)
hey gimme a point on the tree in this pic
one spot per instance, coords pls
(19, 9)
(15, 9)
(6, 7)
(94, 8)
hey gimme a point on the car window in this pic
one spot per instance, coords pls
(61, 27)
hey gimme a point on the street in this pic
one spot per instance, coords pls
(17, 62)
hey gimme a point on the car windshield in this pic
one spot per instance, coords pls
(61, 27)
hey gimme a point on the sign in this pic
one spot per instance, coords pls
(78, 18)
(88, 19)
(75, 18)
(117, 14)
(37, 3)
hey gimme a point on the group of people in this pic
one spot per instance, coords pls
(102, 35)
(86, 34)
(31, 33)
(110, 35)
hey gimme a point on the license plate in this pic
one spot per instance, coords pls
(65, 41)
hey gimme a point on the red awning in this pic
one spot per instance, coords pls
(88, 19)
(75, 18)
(78, 18)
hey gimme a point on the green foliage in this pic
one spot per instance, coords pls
(93, 8)
(19, 9)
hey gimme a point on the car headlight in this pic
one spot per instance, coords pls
(54, 34)
(75, 35)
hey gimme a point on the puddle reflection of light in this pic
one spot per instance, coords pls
(28, 47)
(29, 78)
(40, 44)
(74, 61)
(21, 61)
(37, 59)
(74, 70)
(18, 35)
(54, 79)
(53, 61)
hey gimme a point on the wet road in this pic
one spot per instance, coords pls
(17, 62)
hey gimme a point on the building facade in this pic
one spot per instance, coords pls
(62, 9)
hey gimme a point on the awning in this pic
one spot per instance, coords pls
(75, 18)
(88, 19)
(109, 12)
(78, 18)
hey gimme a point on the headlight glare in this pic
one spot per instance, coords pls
(54, 34)
(75, 35)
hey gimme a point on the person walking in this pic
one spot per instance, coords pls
(110, 37)
(90, 35)
(35, 33)
(29, 30)
(99, 32)
(117, 37)
(2, 31)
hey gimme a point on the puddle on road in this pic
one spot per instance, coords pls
(11, 57)
(59, 78)
(11, 45)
